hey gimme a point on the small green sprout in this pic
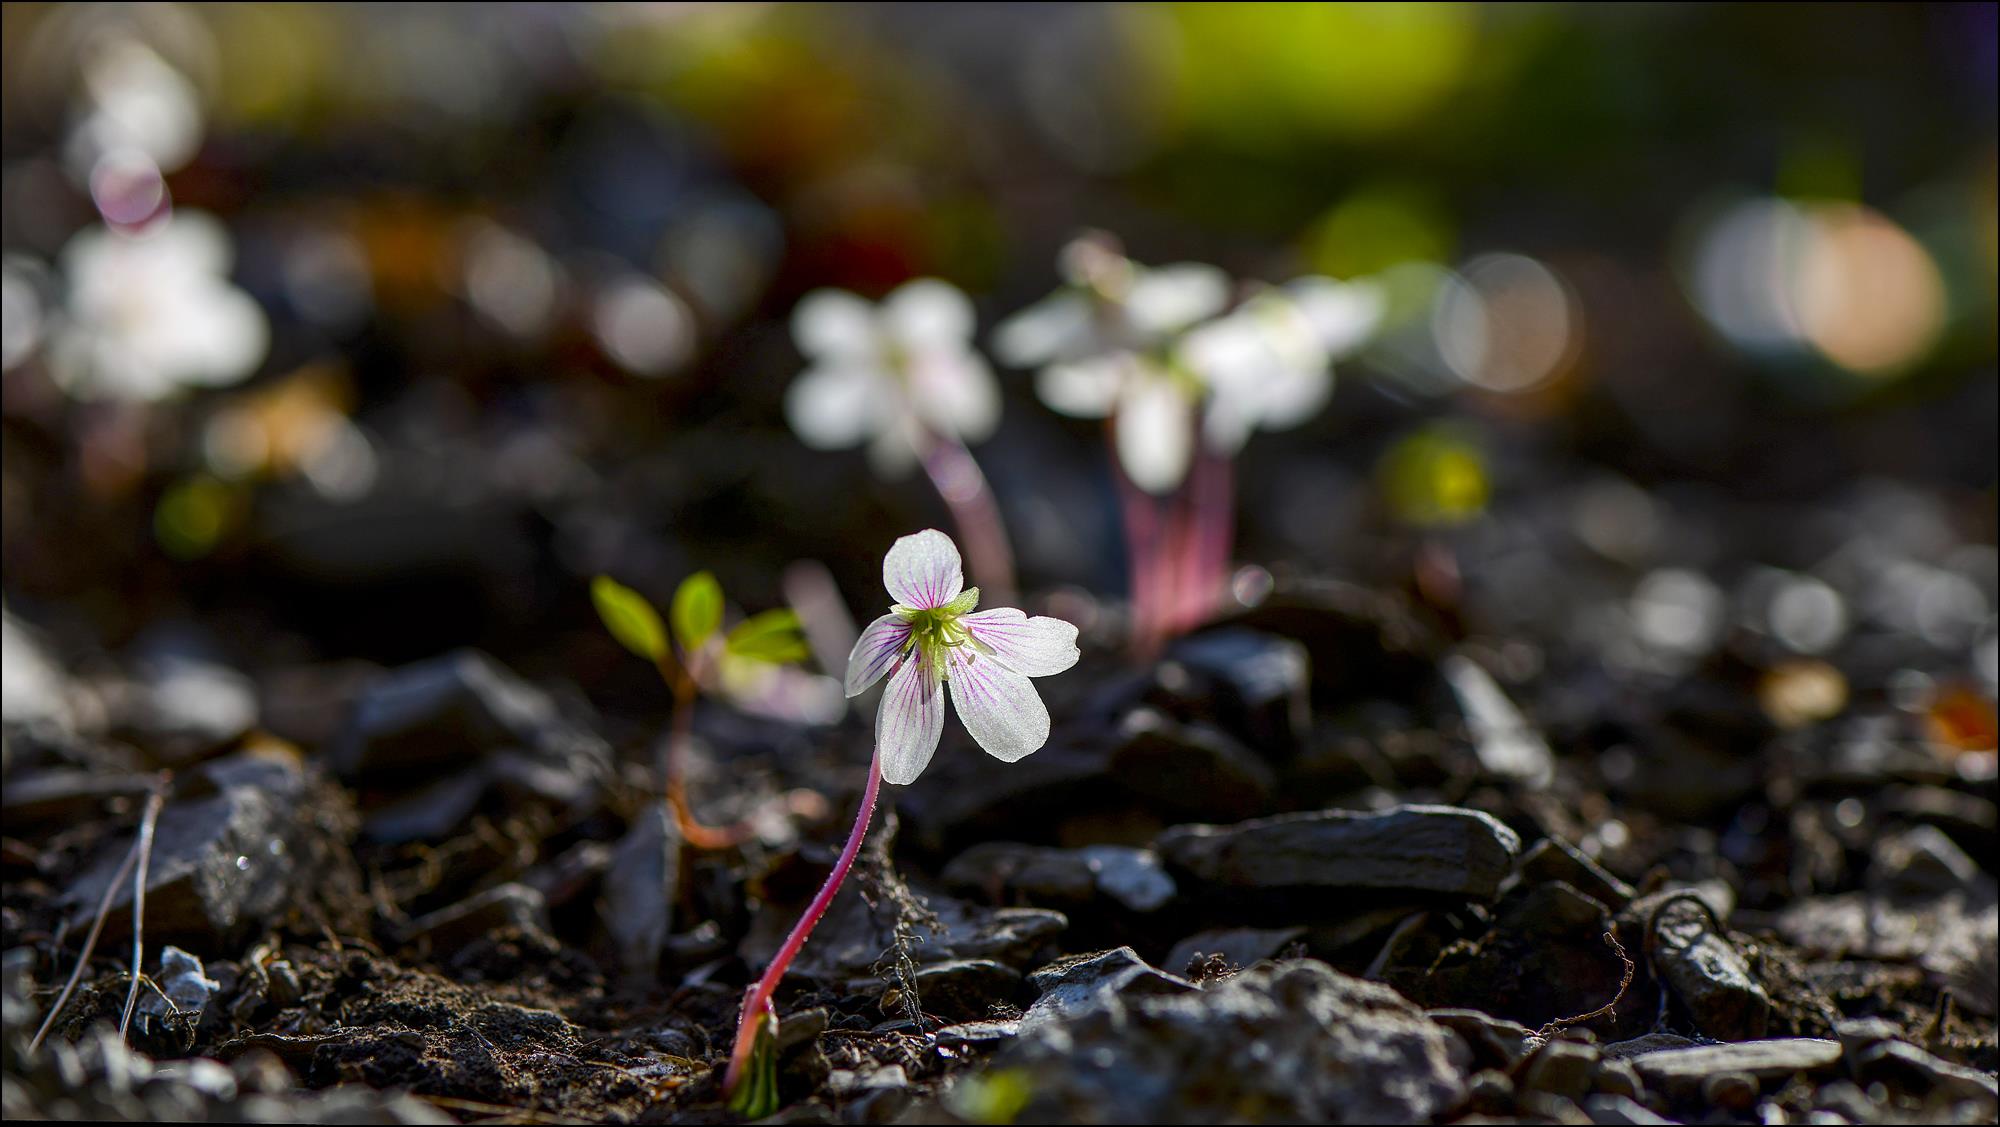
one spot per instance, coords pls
(770, 638)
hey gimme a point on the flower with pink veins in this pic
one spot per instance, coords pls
(932, 637)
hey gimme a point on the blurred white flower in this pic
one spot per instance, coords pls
(1269, 363)
(152, 313)
(1102, 343)
(887, 374)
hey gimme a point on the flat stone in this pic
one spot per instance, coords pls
(1555, 859)
(466, 713)
(1495, 1040)
(60, 795)
(1622, 1111)
(641, 884)
(1423, 849)
(221, 861)
(510, 906)
(1237, 946)
(960, 990)
(1067, 879)
(1284, 1042)
(1507, 745)
(1683, 1070)
(1078, 981)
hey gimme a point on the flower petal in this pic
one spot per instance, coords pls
(833, 406)
(1056, 326)
(1035, 647)
(1343, 314)
(997, 705)
(875, 652)
(1085, 389)
(911, 719)
(1170, 298)
(1154, 433)
(928, 313)
(955, 392)
(835, 325)
(923, 570)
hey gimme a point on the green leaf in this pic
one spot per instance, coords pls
(697, 610)
(772, 636)
(756, 1094)
(630, 618)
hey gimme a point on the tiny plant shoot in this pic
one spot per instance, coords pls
(696, 614)
(932, 637)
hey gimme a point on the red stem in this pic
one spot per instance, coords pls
(758, 998)
(956, 475)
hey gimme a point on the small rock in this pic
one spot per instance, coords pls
(1062, 878)
(1507, 746)
(640, 887)
(220, 862)
(1294, 1041)
(505, 906)
(1494, 1040)
(1190, 771)
(1648, 1043)
(1425, 849)
(1079, 981)
(1622, 1110)
(1907, 1068)
(1703, 968)
(1618, 1078)
(1920, 863)
(182, 707)
(1237, 946)
(1560, 1068)
(466, 713)
(184, 986)
(1731, 1091)
(1555, 859)
(1256, 683)
(56, 796)
(1683, 1070)
(1489, 1092)
(961, 990)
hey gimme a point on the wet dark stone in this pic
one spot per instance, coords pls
(1236, 946)
(504, 907)
(1554, 859)
(1682, 1071)
(1281, 1042)
(1255, 684)
(962, 990)
(1560, 1068)
(454, 727)
(1066, 879)
(1495, 1041)
(223, 861)
(1544, 959)
(1417, 849)
(1361, 644)
(1702, 967)
(1190, 771)
(1876, 1053)
(641, 884)
(1920, 863)
(1508, 747)
(1076, 982)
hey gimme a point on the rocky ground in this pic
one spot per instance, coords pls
(1313, 864)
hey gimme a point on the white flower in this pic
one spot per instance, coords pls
(885, 375)
(1101, 343)
(150, 314)
(1269, 363)
(931, 637)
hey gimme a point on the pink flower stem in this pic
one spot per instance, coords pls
(1215, 529)
(956, 474)
(757, 1000)
(1143, 558)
